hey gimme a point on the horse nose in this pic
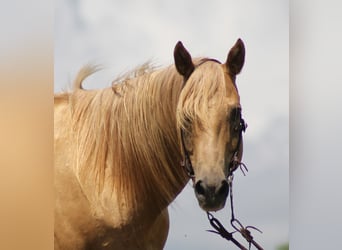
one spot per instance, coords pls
(217, 192)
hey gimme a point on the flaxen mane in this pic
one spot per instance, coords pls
(132, 129)
(195, 99)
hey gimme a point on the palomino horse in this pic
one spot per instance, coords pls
(118, 151)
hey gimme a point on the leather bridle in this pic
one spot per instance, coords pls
(234, 162)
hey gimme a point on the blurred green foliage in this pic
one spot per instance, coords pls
(283, 247)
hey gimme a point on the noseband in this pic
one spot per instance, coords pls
(234, 162)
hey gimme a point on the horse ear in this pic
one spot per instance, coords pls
(183, 61)
(236, 57)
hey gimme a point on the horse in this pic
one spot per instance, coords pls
(123, 153)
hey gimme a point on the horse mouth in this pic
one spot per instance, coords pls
(211, 204)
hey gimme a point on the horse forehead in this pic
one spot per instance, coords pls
(231, 98)
(232, 95)
(229, 101)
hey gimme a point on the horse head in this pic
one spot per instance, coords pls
(210, 123)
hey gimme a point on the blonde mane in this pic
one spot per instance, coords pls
(131, 129)
(196, 98)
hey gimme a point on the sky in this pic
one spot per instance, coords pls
(123, 34)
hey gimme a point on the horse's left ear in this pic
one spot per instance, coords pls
(236, 57)
(183, 61)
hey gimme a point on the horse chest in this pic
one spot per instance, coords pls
(133, 236)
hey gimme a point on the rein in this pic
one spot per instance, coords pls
(235, 223)
(234, 164)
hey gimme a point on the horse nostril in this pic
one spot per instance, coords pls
(199, 188)
(224, 189)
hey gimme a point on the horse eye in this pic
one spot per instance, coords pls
(238, 124)
(237, 128)
(242, 125)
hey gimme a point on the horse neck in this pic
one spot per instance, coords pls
(141, 164)
(157, 168)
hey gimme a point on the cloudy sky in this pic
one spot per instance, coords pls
(123, 34)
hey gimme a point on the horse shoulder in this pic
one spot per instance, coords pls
(158, 233)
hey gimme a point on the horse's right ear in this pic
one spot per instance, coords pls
(183, 61)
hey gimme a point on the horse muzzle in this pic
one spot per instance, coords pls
(211, 197)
